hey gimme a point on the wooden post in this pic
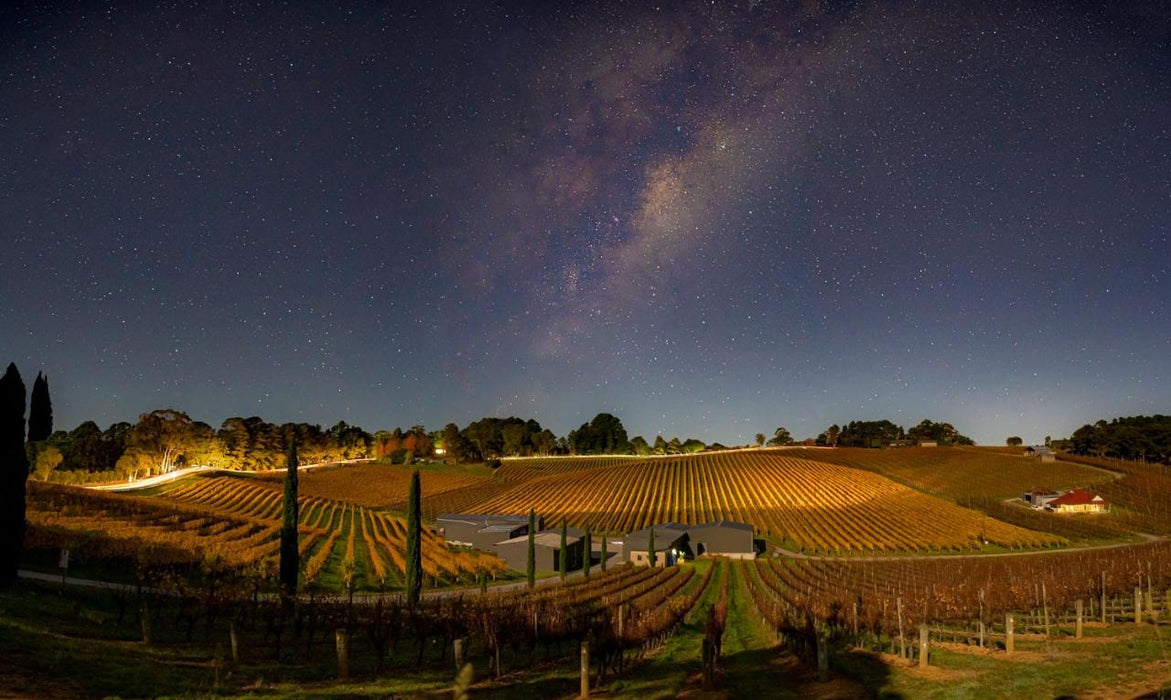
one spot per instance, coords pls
(981, 634)
(855, 618)
(585, 668)
(458, 653)
(1102, 605)
(822, 656)
(1045, 609)
(1150, 603)
(1080, 611)
(621, 619)
(902, 639)
(144, 613)
(235, 642)
(343, 654)
(1008, 641)
(218, 663)
(923, 646)
(1138, 605)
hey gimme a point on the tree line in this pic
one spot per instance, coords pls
(884, 433)
(1141, 438)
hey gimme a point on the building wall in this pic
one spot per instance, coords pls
(723, 541)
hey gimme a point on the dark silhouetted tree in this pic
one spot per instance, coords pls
(13, 474)
(1014, 441)
(414, 541)
(650, 547)
(604, 553)
(40, 411)
(586, 548)
(531, 566)
(290, 563)
(563, 565)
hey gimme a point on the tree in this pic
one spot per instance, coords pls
(781, 438)
(40, 411)
(563, 564)
(650, 548)
(831, 435)
(603, 435)
(414, 541)
(604, 553)
(639, 444)
(290, 563)
(531, 566)
(760, 439)
(13, 474)
(587, 548)
(660, 447)
(1014, 441)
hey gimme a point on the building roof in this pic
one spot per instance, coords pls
(726, 524)
(666, 534)
(549, 538)
(1077, 497)
(507, 528)
(485, 519)
(1039, 450)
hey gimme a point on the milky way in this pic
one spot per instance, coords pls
(708, 219)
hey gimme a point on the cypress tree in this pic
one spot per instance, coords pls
(290, 563)
(604, 556)
(13, 474)
(564, 563)
(532, 562)
(587, 547)
(414, 541)
(40, 411)
(650, 548)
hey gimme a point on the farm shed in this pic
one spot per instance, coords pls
(481, 531)
(1079, 501)
(1041, 453)
(1039, 498)
(723, 538)
(670, 541)
(546, 550)
(928, 443)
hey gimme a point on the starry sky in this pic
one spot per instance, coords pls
(709, 219)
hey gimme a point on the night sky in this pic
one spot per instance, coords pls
(709, 219)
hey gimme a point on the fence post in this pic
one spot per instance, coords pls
(1080, 610)
(1102, 607)
(343, 654)
(1138, 606)
(822, 656)
(585, 668)
(144, 613)
(1008, 641)
(981, 634)
(707, 663)
(923, 646)
(458, 653)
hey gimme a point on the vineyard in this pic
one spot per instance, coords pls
(376, 485)
(814, 506)
(987, 478)
(234, 523)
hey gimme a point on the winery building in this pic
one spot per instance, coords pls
(670, 543)
(723, 538)
(481, 531)
(546, 550)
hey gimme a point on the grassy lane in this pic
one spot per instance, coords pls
(677, 664)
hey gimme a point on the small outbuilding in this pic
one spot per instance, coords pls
(482, 531)
(546, 550)
(1039, 498)
(671, 542)
(1079, 501)
(723, 538)
(1041, 453)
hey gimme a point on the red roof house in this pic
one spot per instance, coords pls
(1079, 501)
